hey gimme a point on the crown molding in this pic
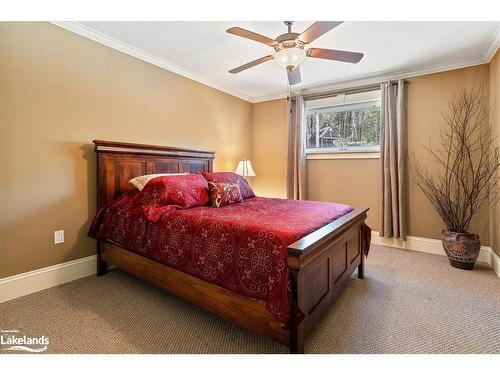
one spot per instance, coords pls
(404, 74)
(268, 98)
(377, 78)
(99, 37)
(493, 46)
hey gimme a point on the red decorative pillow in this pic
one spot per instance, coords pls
(183, 191)
(233, 178)
(224, 193)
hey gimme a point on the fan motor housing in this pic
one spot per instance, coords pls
(288, 40)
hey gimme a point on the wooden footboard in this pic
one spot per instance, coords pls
(319, 264)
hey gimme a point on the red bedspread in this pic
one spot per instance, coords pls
(241, 247)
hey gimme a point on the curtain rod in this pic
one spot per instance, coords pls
(347, 91)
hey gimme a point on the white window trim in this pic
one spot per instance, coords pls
(345, 107)
(320, 154)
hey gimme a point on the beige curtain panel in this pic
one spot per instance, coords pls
(296, 177)
(393, 161)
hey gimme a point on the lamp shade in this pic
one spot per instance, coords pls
(245, 168)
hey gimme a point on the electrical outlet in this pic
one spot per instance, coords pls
(58, 236)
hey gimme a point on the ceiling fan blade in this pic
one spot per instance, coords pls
(317, 29)
(251, 63)
(294, 75)
(251, 35)
(333, 54)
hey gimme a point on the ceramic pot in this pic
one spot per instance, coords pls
(462, 248)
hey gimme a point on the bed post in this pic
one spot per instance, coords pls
(102, 265)
(296, 333)
(361, 267)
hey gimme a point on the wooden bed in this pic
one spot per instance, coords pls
(319, 263)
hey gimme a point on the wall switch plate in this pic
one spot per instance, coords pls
(58, 236)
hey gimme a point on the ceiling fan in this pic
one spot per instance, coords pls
(290, 48)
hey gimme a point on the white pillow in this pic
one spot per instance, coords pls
(141, 181)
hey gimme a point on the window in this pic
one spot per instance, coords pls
(344, 122)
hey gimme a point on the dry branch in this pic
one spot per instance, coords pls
(467, 159)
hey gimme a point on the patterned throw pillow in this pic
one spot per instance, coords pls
(223, 193)
(233, 178)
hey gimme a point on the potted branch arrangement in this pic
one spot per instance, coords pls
(465, 180)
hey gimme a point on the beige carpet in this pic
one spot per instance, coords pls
(408, 303)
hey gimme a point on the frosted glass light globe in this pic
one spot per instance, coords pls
(290, 57)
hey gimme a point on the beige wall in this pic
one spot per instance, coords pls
(351, 181)
(356, 181)
(428, 96)
(270, 148)
(495, 121)
(58, 92)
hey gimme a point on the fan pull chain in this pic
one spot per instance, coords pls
(288, 90)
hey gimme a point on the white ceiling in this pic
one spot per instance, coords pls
(205, 52)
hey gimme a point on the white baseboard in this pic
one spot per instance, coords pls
(43, 278)
(432, 246)
(48, 277)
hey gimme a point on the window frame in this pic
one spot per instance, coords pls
(352, 152)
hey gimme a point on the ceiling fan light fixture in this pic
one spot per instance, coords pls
(290, 57)
(289, 48)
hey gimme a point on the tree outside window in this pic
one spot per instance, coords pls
(352, 126)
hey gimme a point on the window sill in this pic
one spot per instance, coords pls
(327, 155)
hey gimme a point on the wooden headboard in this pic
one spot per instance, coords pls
(118, 162)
